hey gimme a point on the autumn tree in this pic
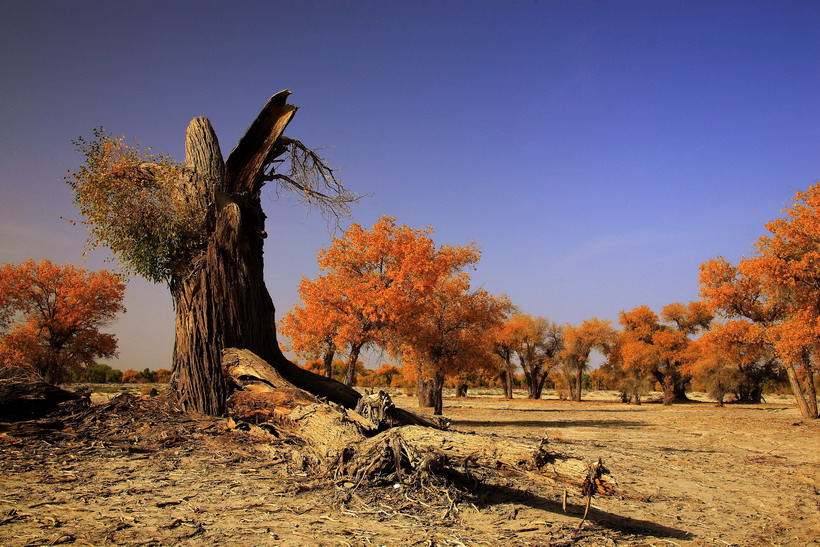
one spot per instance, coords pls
(51, 316)
(130, 376)
(735, 358)
(450, 336)
(198, 226)
(504, 344)
(779, 289)
(537, 343)
(629, 365)
(313, 326)
(662, 346)
(373, 282)
(579, 341)
(715, 369)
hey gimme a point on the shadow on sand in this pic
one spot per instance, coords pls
(604, 519)
(540, 424)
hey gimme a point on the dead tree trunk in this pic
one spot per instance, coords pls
(27, 399)
(220, 297)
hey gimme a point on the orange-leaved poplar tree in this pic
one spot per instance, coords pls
(734, 357)
(313, 326)
(451, 336)
(537, 343)
(504, 345)
(579, 342)
(662, 346)
(629, 366)
(374, 282)
(779, 289)
(51, 316)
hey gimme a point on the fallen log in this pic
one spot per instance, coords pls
(404, 451)
(369, 445)
(28, 399)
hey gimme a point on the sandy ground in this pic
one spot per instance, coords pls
(691, 474)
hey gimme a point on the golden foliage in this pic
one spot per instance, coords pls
(50, 317)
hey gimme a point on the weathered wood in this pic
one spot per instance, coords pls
(348, 443)
(220, 297)
(257, 147)
(412, 449)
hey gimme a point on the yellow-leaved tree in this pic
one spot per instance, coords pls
(778, 288)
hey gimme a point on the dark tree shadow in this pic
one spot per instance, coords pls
(579, 408)
(497, 495)
(476, 424)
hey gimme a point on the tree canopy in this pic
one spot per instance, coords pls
(778, 288)
(51, 316)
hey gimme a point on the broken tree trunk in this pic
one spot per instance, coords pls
(354, 445)
(220, 297)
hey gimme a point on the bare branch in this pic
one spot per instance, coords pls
(308, 175)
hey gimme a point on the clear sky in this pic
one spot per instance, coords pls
(597, 151)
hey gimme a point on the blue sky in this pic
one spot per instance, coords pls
(597, 151)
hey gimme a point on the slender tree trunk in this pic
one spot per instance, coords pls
(507, 379)
(438, 388)
(327, 360)
(804, 392)
(668, 395)
(506, 383)
(539, 389)
(579, 382)
(350, 371)
(220, 298)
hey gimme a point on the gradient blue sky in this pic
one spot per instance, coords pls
(597, 151)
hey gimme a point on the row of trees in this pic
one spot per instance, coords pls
(391, 288)
(771, 301)
(100, 373)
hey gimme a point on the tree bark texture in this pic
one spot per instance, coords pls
(327, 360)
(350, 371)
(507, 382)
(805, 394)
(220, 298)
(425, 391)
